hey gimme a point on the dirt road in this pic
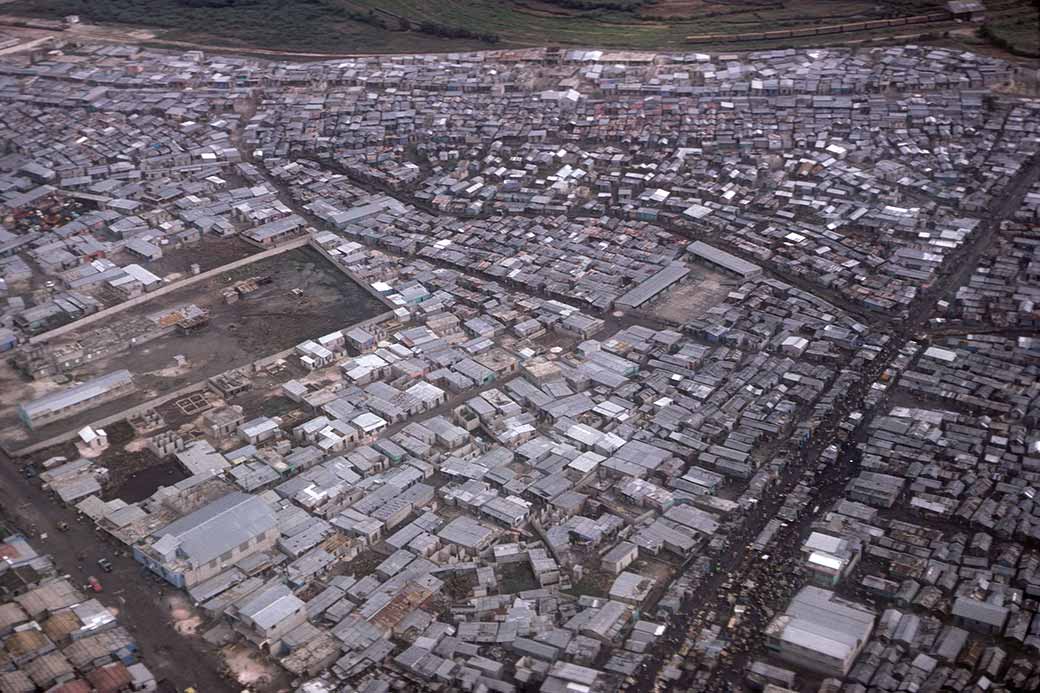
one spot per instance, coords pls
(178, 661)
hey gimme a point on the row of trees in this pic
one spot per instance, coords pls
(453, 32)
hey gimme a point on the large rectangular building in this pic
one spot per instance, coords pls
(73, 400)
(210, 540)
(652, 287)
(275, 232)
(821, 632)
(723, 260)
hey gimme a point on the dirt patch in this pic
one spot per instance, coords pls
(141, 484)
(176, 263)
(188, 626)
(175, 417)
(246, 668)
(660, 571)
(516, 577)
(134, 471)
(303, 296)
(589, 578)
(277, 406)
(185, 620)
(208, 253)
(363, 564)
(701, 290)
(460, 586)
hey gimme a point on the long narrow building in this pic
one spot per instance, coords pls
(73, 400)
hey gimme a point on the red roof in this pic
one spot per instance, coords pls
(8, 551)
(110, 678)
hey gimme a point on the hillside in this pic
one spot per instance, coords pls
(394, 26)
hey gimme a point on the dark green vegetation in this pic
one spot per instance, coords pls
(292, 25)
(1017, 33)
(358, 26)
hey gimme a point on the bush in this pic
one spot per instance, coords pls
(455, 32)
(370, 18)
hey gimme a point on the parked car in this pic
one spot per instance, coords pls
(93, 584)
(105, 564)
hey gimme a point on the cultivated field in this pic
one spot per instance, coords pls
(404, 26)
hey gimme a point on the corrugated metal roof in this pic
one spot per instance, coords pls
(271, 607)
(647, 289)
(77, 394)
(723, 259)
(220, 526)
(980, 612)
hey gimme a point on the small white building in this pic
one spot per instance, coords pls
(94, 439)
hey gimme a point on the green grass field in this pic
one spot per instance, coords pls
(363, 26)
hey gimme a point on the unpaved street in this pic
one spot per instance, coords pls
(178, 661)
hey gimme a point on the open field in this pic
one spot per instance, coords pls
(264, 322)
(406, 26)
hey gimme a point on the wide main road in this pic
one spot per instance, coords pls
(179, 660)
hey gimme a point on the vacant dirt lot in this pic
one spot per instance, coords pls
(306, 297)
(207, 253)
(702, 289)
